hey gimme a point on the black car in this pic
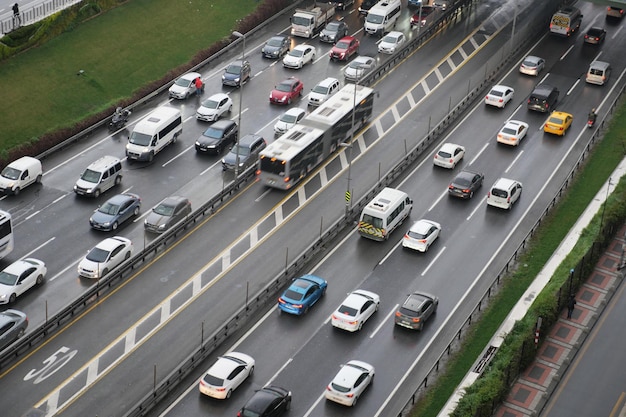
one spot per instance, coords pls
(416, 309)
(465, 184)
(341, 4)
(595, 35)
(247, 151)
(366, 5)
(334, 31)
(218, 136)
(13, 325)
(270, 401)
(543, 98)
(276, 47)
(237, 73)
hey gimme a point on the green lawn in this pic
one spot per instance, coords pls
(119, 50)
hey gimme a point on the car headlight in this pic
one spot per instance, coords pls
(197, 143)
(106, 224)
(3, 296)
(163, 226)
(237, 79)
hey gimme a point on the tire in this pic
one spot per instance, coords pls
(105, 271)
(218, 150)
(136, 211)
(230, 109)
(12, 298)
(38, 180)
(39, 280)
(151, 157)
(471, 194)
(16, 191)
(229, 393)
(288, 406)
(359, 328)
(355, 401)
(251, 372)
(96, 193)
(114, 226)
(127, 256)
(289, 101)
(20, 333)
(118, 180)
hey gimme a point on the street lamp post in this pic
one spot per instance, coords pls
(348, 192)
(243, 57)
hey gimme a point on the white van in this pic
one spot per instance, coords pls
(153, 133)
(566, 21)
(382, 17)
(384, 213)
(504, 193)
(99, 177)
(598, 73)
(19, 174)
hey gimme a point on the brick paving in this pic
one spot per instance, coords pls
(535, 385)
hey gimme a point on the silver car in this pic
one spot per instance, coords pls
(167, 213)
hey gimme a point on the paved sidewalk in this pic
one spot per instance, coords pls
(535, 385)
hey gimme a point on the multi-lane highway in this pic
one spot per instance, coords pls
(105, 360)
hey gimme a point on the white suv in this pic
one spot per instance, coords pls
(323, 90)
(504, 193)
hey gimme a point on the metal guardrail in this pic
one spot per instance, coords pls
(34, 14)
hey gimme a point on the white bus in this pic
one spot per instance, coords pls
(6, 234)
(306, 145)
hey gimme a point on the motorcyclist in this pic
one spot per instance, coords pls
(592, 116)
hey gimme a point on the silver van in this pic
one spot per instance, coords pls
(99, 177)
(20, 173)
(598, 73)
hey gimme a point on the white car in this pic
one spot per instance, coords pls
(299, 56)
(499, 96)
(289, 119)
(350, 382)
(185, 86)
(513, 132)
(323, 90)
(105, 256)
(214, 107)
(421, 235)
(449, 155)
(19, 277)
(226, 374)
(532, 65)
(391, 41)
(355, 310)
(359, 67)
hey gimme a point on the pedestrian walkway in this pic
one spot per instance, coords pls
(535, 385)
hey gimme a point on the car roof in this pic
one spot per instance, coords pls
(278, 37)
(120, 198)
(327, 81)
(363, 59)
(346, 39)
(500, 87)
(449, 147)
(394, 33)
(264, 397)
(515, 123)
(223, 124)
(302, 46)
(11, 316)
(249, 139)
(560, 114)
(111, 243)
(227, 363)
(355, 300)
(190, 76)
(532, 58)
(415, 300)
(295, 111)
(289, 81)
(18, 267)
(504, 183)
(239, 62)
(347, 375)
(172, 200)
(217, 96)
(422, 226)
(466, 174)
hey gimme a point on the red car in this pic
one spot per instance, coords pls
(345, 48)
(286, 91)
(425, 13)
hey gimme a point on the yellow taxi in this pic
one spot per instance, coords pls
(558, 123)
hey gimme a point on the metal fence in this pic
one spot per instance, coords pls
(34, 14)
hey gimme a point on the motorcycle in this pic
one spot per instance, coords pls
(119, 119)
(591, 120)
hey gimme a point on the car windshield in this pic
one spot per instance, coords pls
(181, 82)
(348, 311)
(374, 18)
(390, 39)
(275, 42)
(90, 176)
(509, 131)
(296, 52)
(97, 255)
(289, 118)
(332, 27)
(213, 133)
(7, 279)
(320, 89)
(374, 221)
(284, 87)
(358, 64)
(210, 104)
(140, 139)
(10, 173)
(109, 208)
(233, 69)
(342, 45)
(240, 150)
(164, 210)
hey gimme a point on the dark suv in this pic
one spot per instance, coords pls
(543, 98)
(416, 309)
(237, 73)
(218, 136)
(248, 149)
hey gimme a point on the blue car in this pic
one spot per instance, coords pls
(302, 294)
(115, 211)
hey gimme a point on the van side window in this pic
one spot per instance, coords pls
(118, 166)
(24, 175)
(167, 129)
(105, 175)
(154, 140)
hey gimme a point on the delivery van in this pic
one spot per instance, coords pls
(384, 214)
(566, 21)
(19, 174)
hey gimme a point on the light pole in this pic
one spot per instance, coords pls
(348, 193)
(243, 57)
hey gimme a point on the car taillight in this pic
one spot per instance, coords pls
(451, 160)
(221, 389)
(286, 179)
(422, 241)
(501, 100)
(350, 395)
(297, 305)
(416, 320)
(398, 314)
(335, 317)
(406, 236)
(450, 187)
(466, 190)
